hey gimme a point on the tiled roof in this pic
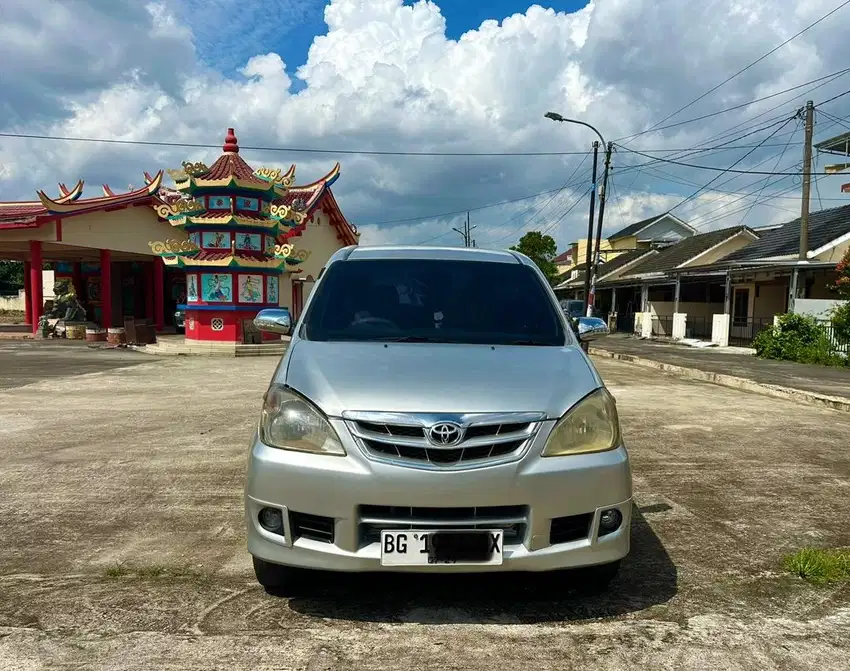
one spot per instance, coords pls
(675, 255)
(233, 165)
(632, 229)
(564, 256)
(824, 227)
(622, 260)
(217, 255)
(217, 214)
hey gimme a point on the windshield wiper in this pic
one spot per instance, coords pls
(529, 343)
(410, 338)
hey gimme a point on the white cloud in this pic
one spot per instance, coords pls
(385, 77)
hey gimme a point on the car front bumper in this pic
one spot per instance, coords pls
(575, 488)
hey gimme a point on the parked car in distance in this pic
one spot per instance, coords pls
(180, 321)
(434, 413)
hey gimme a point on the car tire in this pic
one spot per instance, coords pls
(274, 577)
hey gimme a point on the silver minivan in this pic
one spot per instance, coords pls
(434, 412)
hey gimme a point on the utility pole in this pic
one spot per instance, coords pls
(466, 233)
(602, 194)
(807, 181)
(588, 256)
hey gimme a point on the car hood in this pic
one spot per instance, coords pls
(437, 378)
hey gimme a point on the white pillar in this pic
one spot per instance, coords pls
(646, 325)
(680, 319)
(720, 330)
(638, 327)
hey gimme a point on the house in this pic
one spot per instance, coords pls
(660, 229)
(650, 281)
(656, 231)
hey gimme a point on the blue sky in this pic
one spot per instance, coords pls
(227, 33)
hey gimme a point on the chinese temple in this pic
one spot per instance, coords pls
(239, 225)
(223, 243)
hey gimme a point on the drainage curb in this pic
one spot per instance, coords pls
(731, 381)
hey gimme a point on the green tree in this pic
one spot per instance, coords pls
(11, 276)
(541, 249)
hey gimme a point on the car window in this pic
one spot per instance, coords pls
(433, 301)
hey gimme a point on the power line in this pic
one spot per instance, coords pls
(729, 169)
(567, 184)
(747, 67)
(293, 150)
(831, 77)
(724, 170)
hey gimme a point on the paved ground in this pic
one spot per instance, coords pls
(23, 362)
(821, 379)
(143, 466)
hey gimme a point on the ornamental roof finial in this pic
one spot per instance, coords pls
(231, 145)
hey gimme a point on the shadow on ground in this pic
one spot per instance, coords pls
(647, 578)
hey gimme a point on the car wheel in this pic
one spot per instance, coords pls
(274, 577)
(596, 579)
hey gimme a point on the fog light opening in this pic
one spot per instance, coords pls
(271, 519)
(609, 521)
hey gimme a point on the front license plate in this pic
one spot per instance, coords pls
(455, 546)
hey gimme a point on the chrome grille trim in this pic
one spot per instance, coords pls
(399, 429)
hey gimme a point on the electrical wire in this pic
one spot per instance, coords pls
(729, 169)
(567, 185)
(831, 77)
(747, 67)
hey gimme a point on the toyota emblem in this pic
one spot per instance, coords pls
(445, 434)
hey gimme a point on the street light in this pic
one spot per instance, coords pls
(590, 280)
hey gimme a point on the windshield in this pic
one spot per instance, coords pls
(425, 300)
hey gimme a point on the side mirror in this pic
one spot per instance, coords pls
(273, 321)
(591, 328)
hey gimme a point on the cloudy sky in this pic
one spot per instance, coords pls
(461, 76)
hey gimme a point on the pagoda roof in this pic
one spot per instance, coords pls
(223, 259)
(31, 214)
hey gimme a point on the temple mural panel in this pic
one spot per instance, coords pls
(216, 240)
(272, 289)
(248, 241)
(191, 288)
(251, 288)
(217, 288)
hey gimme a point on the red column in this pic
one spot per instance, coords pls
(158, 294)
(106, 287)
(37, 289)
(148, 279)
(27, 294)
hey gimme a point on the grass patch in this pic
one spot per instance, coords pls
(820, 566)
(155, 571)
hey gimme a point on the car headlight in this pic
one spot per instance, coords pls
(591, 425)
(290, 422)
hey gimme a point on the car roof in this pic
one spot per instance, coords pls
(437, 253)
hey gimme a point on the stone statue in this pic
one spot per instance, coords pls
(66, 305)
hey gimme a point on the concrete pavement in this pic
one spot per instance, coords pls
(124, 545)
(826, 380)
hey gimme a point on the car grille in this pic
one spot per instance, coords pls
(312, 527)
(404, 438)
(513, 520)
(569, 529)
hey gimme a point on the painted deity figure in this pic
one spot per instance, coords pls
(217, 290)
(218, 239)
(247, 242)
(251, 292)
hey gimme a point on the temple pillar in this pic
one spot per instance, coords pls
(149, 290)
(27, 294)
(158, 297)
(106, 288)
(36, 284)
